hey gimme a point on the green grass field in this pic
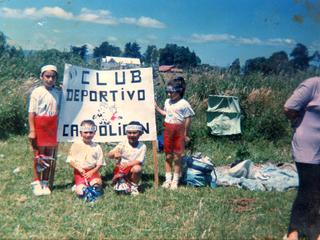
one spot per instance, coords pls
(188, 213)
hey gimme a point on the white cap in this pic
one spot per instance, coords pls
(49, 68)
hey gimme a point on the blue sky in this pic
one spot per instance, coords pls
(219, 31)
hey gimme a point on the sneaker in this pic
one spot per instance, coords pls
(174, 185)
(134, 190)
(166, 184)
(36, 188)
(45, 188)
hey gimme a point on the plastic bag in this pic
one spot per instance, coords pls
(197, 171)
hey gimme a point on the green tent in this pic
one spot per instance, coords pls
(223, 115)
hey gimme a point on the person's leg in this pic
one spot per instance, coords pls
(178, 150)
(302, 204)
(79, 189)
(35, 152)
(35, 173)
(48, 173)
(176, 172)
(95, 181)
(36, 181)
(168, 170)
(135, 174)
(168, 148)
(53, 167)
(134, 177)
(80, 182)
(313, 224)
(97, 184)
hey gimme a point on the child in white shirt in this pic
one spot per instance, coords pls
(43, 123)
(86, 157)
(130, 155)
(178, 113)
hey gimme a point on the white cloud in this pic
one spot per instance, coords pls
(248, 41)
(231, 39)
(54, 12)
(33, 13)
(11, 13)
(150, 22)
(29, 11)
(143, 22)
(98, 16)
(281, 41)
(85, 15)
(202, 38)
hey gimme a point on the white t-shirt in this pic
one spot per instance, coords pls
(129, 153)
(44, 102)
(177, 112)
(85, 155)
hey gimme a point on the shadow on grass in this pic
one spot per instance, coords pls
(147, 180)
(63, 186)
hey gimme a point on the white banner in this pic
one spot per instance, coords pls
(110, 98)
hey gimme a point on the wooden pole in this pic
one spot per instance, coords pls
(155, 165)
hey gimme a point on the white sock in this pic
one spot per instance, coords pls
(176, 177)
(168, 176)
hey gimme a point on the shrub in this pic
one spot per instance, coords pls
(13, 113)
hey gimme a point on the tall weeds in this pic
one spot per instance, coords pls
(261, 97)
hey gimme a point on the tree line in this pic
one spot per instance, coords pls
(279, 62)
(180, 56)
(171, 54)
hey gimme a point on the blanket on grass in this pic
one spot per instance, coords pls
(274, 177)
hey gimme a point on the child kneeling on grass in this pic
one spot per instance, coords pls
(86, 157)
(130, 155)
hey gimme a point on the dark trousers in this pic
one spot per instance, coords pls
(305, 213)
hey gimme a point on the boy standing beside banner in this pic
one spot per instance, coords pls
(43, 123)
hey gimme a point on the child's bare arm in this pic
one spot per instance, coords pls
(159, 110)
(114, 154)
(187, 124)
(92, 171)
(76, 166)
(32, 131)
(130, 164)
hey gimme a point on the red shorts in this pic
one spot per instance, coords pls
(46, 128)
(173, 137)
(119, 173)
(79, 179)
